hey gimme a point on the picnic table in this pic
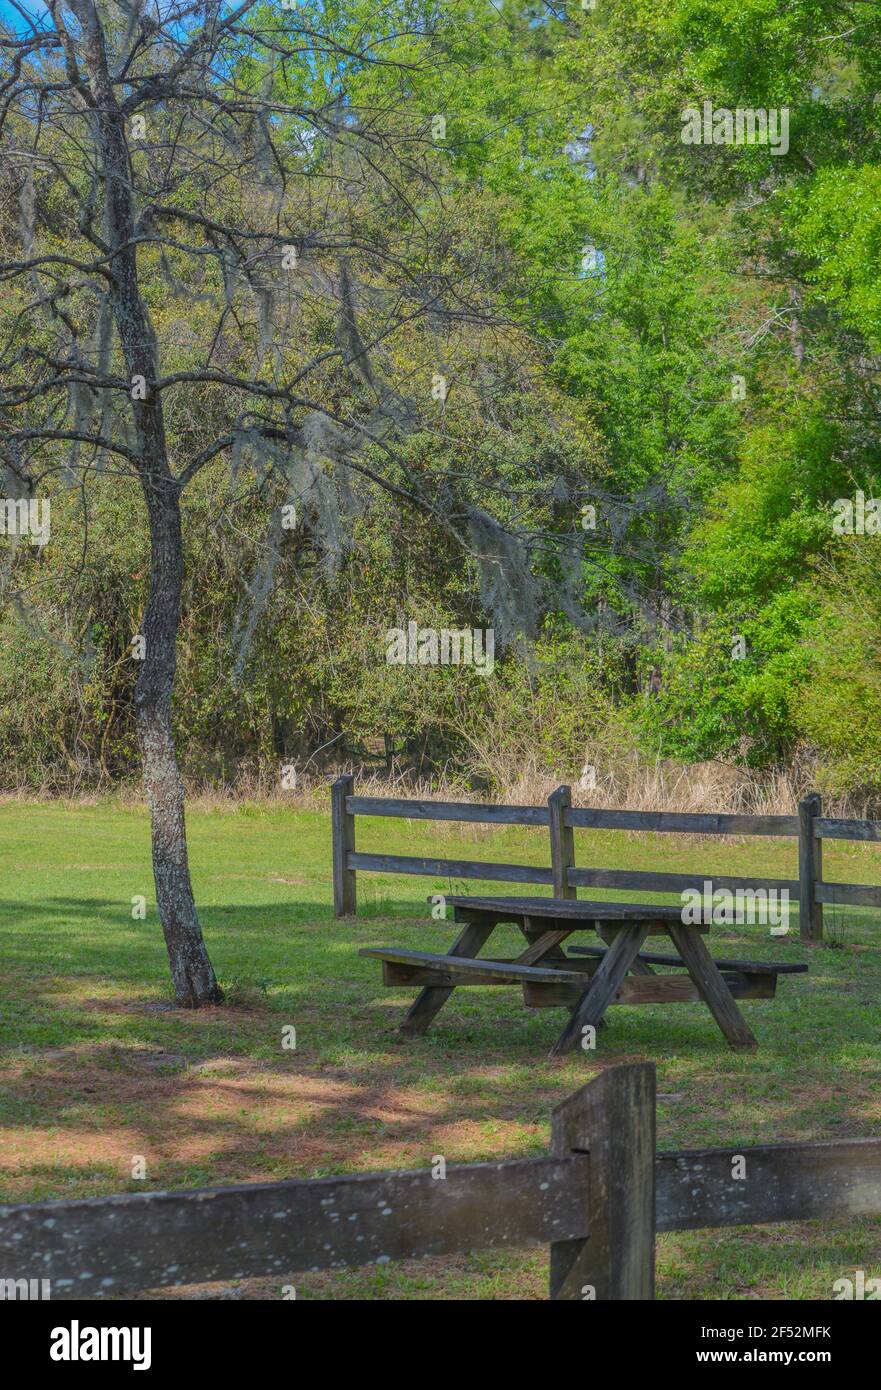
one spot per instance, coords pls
(592, 977)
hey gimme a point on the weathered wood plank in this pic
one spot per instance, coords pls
(105, 1246)
(664, 822)
(505, 908)
(554, 954)
(612, 1118)
(856, 894)
(676, 822)
(639, 966)
(603, 987)
(499, 970)
(656, 989)
(651, 881)
(431, 1000)
(481, 813)
(463, 914)
(543, 944)
(783, 1182)
(411, 976)
(453, 868)
(755, 967)
(716, 994)
(562, 842)
(343, 834)
(681, 989)
(654, 926)
(828, 828)
(810, 870)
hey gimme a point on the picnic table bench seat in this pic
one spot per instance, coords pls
(501, 972)
(746, 979)
(753, 967)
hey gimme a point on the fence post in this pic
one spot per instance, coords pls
(612, 1118)
(810, 869)
(562, 842)
(343, 828)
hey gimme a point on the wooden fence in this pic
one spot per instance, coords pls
(809, 827)
(597, 1200)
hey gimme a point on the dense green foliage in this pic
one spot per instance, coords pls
(687, 342)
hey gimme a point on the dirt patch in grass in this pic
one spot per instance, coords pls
(85, 1111)
(506, 1275)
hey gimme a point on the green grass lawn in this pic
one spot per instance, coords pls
(98, 1068)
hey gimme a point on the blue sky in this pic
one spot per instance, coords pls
(11, 16)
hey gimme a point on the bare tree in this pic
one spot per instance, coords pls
(169, 147)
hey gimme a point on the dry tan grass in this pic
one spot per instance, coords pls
(634, 784)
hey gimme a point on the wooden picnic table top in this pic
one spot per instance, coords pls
(562, 909)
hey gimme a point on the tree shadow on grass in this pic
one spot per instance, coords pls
(99, 1067)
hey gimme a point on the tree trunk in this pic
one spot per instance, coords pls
(191, 969)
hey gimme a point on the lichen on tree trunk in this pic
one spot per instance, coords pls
(191, 970)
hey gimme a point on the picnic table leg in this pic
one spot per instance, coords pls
(638, 967)
(430, 1000)
(712, 987)
(603, 987)
(542, 944)
(552, 949)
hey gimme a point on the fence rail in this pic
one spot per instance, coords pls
(783, 1182)
(597, 1200)
(104, 1246)
(681, 822)
(457, 868)
(826, 829)
(446, 810)
(809, 827)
